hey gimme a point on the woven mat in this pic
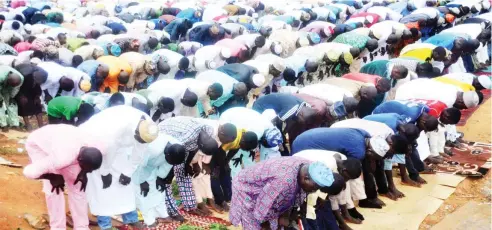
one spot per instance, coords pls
(466, 114)
(193, 220)
(471, 160)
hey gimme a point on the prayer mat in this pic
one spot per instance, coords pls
(192, 220)
(472, 160)
(467, 113)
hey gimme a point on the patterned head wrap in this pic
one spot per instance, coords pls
(273, 136)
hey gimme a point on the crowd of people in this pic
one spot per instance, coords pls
(278, 112)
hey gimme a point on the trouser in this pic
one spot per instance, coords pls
(376, 175)
(150, 215)
(222, 186)
(414, 164)
(172, 208)
(202, 187)
(185, 187)
(8, 113)
(325, 220)
(77, 203)
(104, 222)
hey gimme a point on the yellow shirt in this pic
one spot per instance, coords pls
(421, 53)
(234, 144)
(465, 87)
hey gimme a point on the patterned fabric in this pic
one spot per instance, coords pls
(7, 50)
(265, 191)
(172, 208)
(186, 130)
(353, 39)
(43, 43)
(185, 187)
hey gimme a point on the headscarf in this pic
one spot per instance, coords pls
(321, 174)
(273, 136)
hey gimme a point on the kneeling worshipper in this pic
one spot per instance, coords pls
(433, 90)
(355, 143)
(29, 96)
(324, 210)
(96, 70)
(63, 165)
(282, 108)
(68, 110)
(263, 200)
(125, 131)
(10, 83)
(199, 136)
(269, 137)
(151, 177)
(118, 75)
(169, 98)
(398, 144)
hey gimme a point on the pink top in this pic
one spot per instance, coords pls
(234, 45)
(54, 148)
(318, 26)
(22, 46)
(362, 77)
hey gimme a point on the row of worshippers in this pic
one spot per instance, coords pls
(358, 44)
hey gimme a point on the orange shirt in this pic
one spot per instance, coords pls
(116, 65)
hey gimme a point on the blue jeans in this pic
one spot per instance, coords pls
(104, 222)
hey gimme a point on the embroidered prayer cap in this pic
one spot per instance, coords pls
(348, 58)
(277, 48)
(321, 174)
(273, 136)
(258, 80)
(147, 130)
(379, 145)
(279, 65)
(85, 85)
(225, 53)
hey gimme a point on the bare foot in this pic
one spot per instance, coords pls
(444, 155)
(397, 192)
(428, 170)
(421, 180)
(178, 218)
(389, 195)
(215, 207)
(197, 212)
(352, 220)
(203, 208)
(225, 206)
(435, 160)
(410, 182)
(379, 202)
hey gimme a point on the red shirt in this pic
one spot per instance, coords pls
(233, 45)
(363, 77)
(375, 17)
(435, 107)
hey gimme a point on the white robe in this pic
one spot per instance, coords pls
(116, 126)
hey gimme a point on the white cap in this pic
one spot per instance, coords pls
(258, 80)
(277, 48)
(225, 53)
(28, 28)
(269, 114)
(279, 65)
(35, 61)
(211, 64)
(485, 81)
(303, 41)
(470, 99)
(379, 145)
(455, 10)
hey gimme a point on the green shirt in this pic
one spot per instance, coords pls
(64, 106)
(5, 90)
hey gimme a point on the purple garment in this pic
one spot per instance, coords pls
(265, 191)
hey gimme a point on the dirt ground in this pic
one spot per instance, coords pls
(19, 195)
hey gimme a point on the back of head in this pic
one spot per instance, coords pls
(163, 67)
(410, 131)
(399, 144)
(407, 34)
(116, 99)
(77, 60)
(175, 154)
(424, 69)
(415, 32)
(189, 98)
(184, 63)
(353, 167)
(140, 106)
(355, 52)
(311, 66)
(383, 85)
(431, 123)
(368, 92)
(260, 41)
(153, 42)
(336, 187)
(392, 39)
(123, 77)
(249, 141)
(66, 84)
(85, 112)
(450, 116)
(95, 34)
(339, 29)
(40, 76)
(217, 89)
(399, 72)
(372, 44)
(350, 104)
(165, 104)
(208, 145)
(471, 45)
(289, 75)
(439, 53)
(90, 158)
(240, 89)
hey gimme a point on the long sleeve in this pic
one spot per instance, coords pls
(271, 198)
(38, 168)
(451, 133)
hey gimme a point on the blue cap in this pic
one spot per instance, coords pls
(321, 174)
(115, 50)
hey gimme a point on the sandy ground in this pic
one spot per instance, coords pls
(19, 195)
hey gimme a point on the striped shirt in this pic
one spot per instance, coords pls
(186, 130)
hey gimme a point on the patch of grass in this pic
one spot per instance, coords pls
(175, 189)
